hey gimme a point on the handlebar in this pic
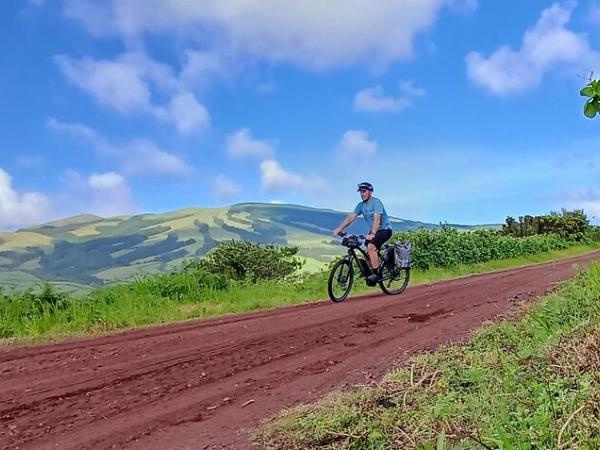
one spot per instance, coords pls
(344, 234)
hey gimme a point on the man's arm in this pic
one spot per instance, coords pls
(347, 221)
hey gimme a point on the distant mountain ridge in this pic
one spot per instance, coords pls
(92, 250)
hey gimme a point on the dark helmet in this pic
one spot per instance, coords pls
(365, 185)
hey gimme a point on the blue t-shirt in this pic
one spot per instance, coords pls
(368, 210)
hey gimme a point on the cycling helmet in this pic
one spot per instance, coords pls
(365, 185)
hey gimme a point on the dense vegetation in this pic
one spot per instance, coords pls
(239, 276)
(447, 247)
(243, 260)
(570, 225)
(529, 384)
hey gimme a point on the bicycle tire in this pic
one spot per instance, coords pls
(399, 290)
(349, 281)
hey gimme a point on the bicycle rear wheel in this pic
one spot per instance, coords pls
(340, 281)
(394, 281)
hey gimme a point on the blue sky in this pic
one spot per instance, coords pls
(456, 110)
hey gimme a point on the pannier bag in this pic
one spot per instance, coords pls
(402, 255)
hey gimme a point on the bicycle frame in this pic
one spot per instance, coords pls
(352, 256)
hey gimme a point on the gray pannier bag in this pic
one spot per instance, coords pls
(402, 255)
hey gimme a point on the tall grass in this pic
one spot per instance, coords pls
(149, 300)
(531, 384)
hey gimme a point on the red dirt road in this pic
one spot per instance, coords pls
(184, 386)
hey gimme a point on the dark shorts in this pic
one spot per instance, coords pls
(380, 237)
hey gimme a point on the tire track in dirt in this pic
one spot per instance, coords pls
(183, 386)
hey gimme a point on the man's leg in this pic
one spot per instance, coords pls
(378, 240)
(373, 257)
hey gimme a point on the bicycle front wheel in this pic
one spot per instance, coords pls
(340, 281)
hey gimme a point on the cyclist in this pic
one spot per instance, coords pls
(380, 231)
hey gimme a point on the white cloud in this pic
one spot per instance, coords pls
(19, 209)
(109, 180)
(355, 144)
(104, 194)
(127, 84)
(374, 100)
(110, 194)
(200, 66)
(226, 188)
(30, 161)
(587, 199)
(303, 32)
(160, 75)
(139, 157)
(548, 45)
(409, 88)
(142, 157)
(276, 179)
(187, 114)
(112, 83)
(241, 144)
(81, 132)
(593, 15)
(466, 6)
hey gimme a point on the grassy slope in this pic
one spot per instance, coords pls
(530, 384)
(92, 240)
(136, 304)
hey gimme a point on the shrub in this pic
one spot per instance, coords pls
(571, 225)
(243, 260)
(447, 247)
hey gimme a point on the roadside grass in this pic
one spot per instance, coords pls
(529, 384)
(168, 298)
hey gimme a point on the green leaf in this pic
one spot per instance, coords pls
(441, 442)
(587, 91)
(591, 108)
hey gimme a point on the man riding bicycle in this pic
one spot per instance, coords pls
(380, 230)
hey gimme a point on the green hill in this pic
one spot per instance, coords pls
(91, 250)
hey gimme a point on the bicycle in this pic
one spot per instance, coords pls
(342, 273)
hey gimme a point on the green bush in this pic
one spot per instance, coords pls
(571, 225)
(447, 247)
(592, 235)
(248, 261)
